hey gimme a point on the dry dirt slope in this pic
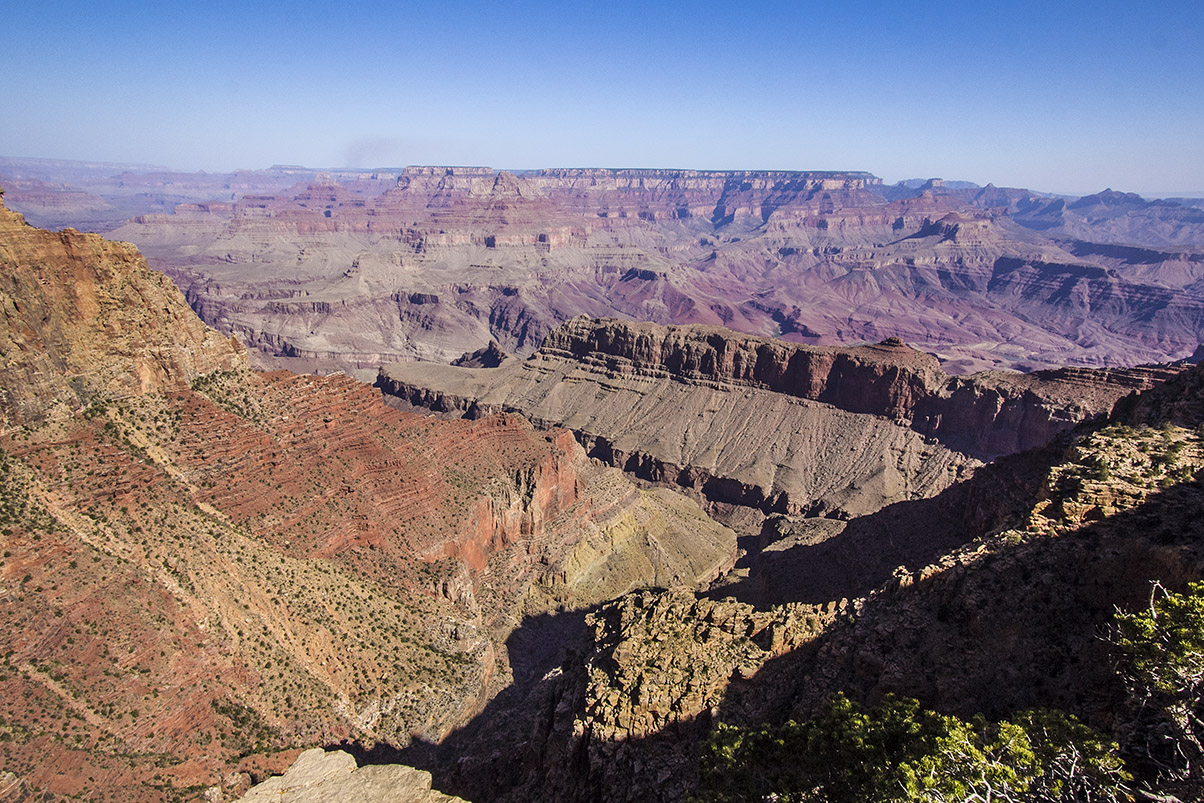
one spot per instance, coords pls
(205, 568)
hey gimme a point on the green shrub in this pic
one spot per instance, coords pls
(1162, 663)
(900, 751)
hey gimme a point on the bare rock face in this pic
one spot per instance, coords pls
(212, 567)
(489, 357)
(647, 538)
(338, 271)
(85, 318)
(781, 427)
(1179, 401)
(321, 777)
(984, 415)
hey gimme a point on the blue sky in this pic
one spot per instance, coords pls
(1058, 96)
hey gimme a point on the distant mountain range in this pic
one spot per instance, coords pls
(572, 570)
(355, 268)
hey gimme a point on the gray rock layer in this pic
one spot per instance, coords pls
(777, 426)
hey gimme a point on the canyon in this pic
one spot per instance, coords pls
(352, 269)
(551, 569)
(205, 565)
(985, 595)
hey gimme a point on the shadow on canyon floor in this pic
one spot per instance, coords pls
(1024, 627)
(1021, 627)
(538, 650)
(866, 551)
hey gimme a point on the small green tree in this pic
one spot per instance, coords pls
(900, 752)
(1162, 663)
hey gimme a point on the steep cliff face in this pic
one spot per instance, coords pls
(212, 573)
(639, 194)
(885, 380)
(988, 611)
(985, 414)
(777, 426)
(450, 258)
(83, 317)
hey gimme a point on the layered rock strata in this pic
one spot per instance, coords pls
(315, 567)
(777, 426)
(205, 569)
(336, 271)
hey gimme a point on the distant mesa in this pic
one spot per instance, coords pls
(324, 270)
(938, 183)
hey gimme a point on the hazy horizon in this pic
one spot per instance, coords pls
(1025, 95)
(887, 181)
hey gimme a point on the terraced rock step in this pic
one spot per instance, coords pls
(777, 426)
(431, 263)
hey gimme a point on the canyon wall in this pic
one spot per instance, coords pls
(984, 415)
(778, 426)
(82, 317)
(336, 272)
(206, 568)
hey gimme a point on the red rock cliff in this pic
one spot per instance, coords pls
(985, 414)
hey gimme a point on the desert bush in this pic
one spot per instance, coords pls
(901, 751)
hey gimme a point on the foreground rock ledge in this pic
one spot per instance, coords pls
(321, 777)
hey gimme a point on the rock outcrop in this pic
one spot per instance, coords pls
(489, 357)
(781, 427)
(984, 415)
(653, 669)
(321, 777)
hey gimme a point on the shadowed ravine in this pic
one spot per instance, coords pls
(1014, 627)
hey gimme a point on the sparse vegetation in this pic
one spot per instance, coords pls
(900, 752)
(1162, 661)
